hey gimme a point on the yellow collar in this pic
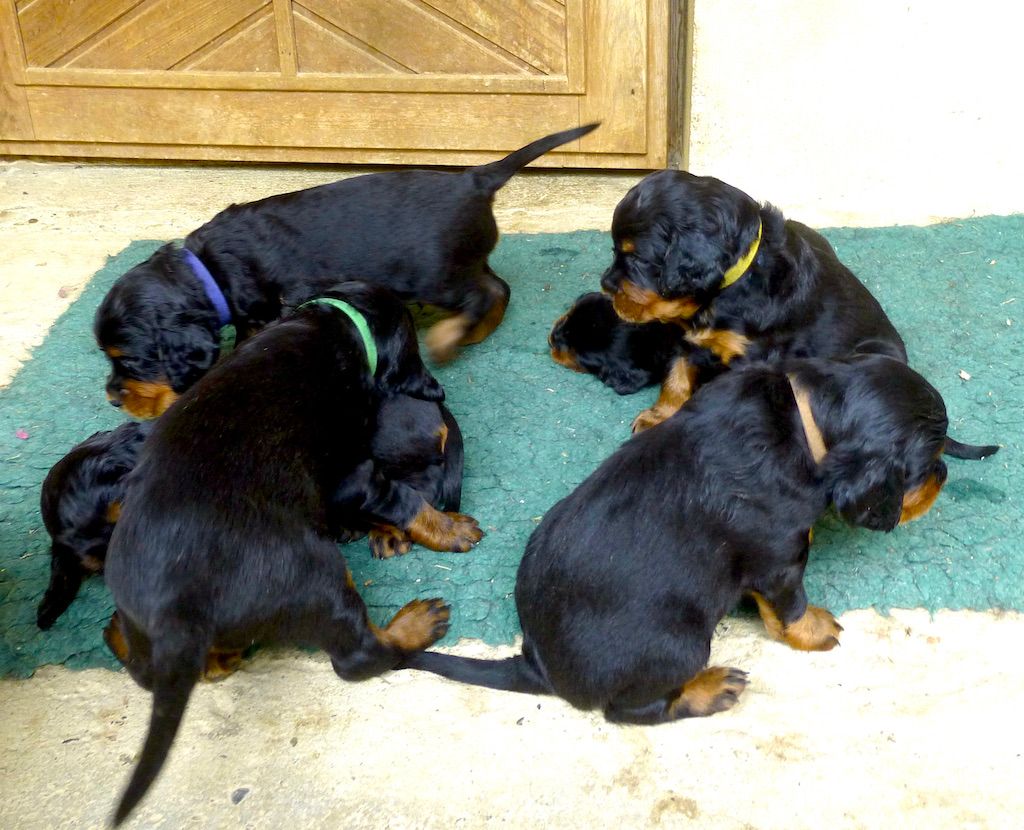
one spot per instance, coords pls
(740, 268)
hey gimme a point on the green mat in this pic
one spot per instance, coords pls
(533, 430)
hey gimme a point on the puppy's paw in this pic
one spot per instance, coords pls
(816, 630)
(386, 541)
(417, 625)
(465, 532)
(647, 419)
(715, 689)
(443, 338)
(220, 664)
(445, 531)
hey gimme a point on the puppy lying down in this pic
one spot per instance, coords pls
(624, 580)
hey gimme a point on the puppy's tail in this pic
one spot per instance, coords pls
(514, 674)
(451, 485)
(171, 690)
(490, 177)
(972, 452)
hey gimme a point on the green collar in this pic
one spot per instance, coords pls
(359, 321)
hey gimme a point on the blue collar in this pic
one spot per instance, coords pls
(215, 296)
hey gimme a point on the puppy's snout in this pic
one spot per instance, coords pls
(610, 280)
(115, 393)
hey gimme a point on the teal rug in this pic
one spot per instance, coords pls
(533, 430)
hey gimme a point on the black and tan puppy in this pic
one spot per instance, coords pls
(625, 579)
(416, 443)
(225, 538)
(745, 283)
(424, 234)
(590, 337)
(80, 502)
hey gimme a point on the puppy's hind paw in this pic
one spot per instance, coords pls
(445, 531)
(647, 419)
(418, 625)
(712, 690)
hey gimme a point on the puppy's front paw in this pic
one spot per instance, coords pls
(816, 630)
(647, 419)
(418, 625)
(386, 542)
(445, 531)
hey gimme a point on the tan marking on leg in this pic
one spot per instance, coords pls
(444, 531)
(712, 690)
(918, 501)
(147, 399)
(416, 626)
(816, 630)
(442, 434)
(724, 343)
(220, 663)
(113, 636)
(444, 337)
(490, 321)
(676, 390)
(641, 305)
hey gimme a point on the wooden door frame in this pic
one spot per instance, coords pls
(657, 117)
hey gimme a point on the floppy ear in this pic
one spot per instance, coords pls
(187, 351)
(867, 488)
(410, 377)
(623, 377)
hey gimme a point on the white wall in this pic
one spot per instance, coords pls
(862, 111)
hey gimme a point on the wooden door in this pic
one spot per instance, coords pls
(362, 81)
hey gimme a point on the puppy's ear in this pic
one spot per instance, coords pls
(623, 377)
(187, 351)
(408, 376)
(867, 488)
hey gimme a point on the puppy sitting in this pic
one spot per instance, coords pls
(745, 283)
(424, 234)
(592, 338)
(226, 534)
(80, 502)
(624, 580)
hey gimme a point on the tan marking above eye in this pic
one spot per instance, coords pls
(627, 246)
(114, 352)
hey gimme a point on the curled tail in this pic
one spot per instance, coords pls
(513, 674)
(171, 691)
(492, 176)
(451, 486)
(972, 452)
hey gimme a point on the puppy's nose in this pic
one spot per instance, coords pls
(114, 401)
(610, 281)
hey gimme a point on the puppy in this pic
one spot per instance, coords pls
(424, 234)
(226, 534)
(80, 502)
(743, 282)
(418, 444)
(625, 579)
(592, 338)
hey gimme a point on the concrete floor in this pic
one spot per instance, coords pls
(914, 722)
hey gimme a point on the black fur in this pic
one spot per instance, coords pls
(796, 300)
(424, 234)
(592, 338)
(77, 495)
(226, 534)
(625, 579)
